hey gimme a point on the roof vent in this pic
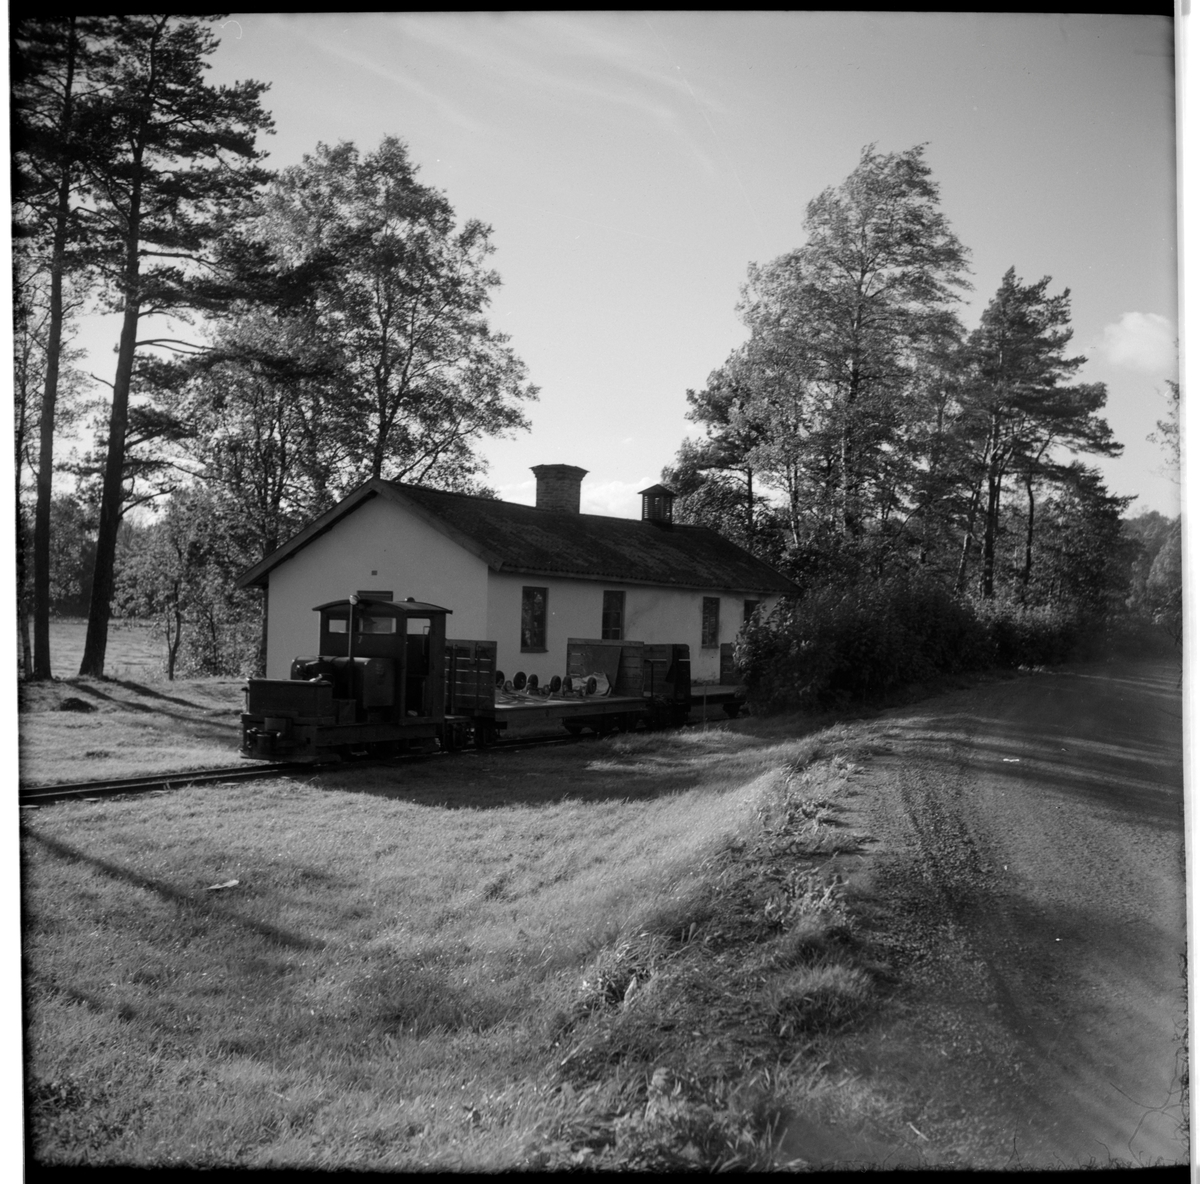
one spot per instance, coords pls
(558, 487)
(657, 503)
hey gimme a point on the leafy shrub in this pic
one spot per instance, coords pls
(837, 644)
(222, 638)
(1028, 636)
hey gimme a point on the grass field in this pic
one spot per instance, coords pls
(134, 651)
(621, 954)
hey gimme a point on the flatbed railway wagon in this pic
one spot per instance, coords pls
(609, 686)
(386, 676)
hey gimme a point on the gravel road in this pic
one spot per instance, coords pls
(1028, 888)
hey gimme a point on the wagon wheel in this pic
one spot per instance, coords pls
(573, 726)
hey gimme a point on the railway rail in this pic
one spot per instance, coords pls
(40, 795)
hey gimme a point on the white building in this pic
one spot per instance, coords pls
(526, 577)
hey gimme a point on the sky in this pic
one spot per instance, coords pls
(632, 165)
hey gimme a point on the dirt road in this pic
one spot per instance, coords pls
(1029, 882)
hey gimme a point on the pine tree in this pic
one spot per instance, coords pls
(50, 58)
(1018, 410)
(169, 156)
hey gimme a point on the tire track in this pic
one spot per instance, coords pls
(1034, 907)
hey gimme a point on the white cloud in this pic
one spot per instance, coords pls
(1141, 341)
(522, 492)
(618, 499)
(450, 112)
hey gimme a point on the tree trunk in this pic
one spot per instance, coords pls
(100, 606)
(960, 583)
(45, 475)
(23, 604)
(262, 641)
(173, 641)
(1028, 568)
(26, 649)
(987, 574)
(848, 485)
(991, 521)
(750, 506)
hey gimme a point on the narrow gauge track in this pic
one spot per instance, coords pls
(38, 795)
(41, 795)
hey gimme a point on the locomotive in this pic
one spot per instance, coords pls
(386, 678)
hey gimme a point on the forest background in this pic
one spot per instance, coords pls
(926, 482)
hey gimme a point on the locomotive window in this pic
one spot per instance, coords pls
(533, 619)
(336, 626)
(366, 624)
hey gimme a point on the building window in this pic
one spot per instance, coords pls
(748, 607)
(710, 621)
(533, 619)
(612, 618)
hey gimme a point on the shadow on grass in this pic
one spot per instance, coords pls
(200, 728)
(169, 892)
(141, 688)
(638, 767)
(123, 1011)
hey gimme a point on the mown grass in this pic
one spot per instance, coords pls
(80, 729)
(601, 956)
(135, 649)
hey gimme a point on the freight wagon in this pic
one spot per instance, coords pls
(386, 677)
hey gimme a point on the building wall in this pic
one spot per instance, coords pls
(377, 546)
(573, 609)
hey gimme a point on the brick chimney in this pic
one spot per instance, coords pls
(558, 487)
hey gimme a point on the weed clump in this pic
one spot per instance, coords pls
(682, 1010)
(819, 996)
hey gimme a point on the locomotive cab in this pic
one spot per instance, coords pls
(388, 656)
(379, 680)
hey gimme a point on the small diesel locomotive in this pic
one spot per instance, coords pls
(386, 677)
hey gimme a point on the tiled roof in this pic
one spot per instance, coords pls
(526, 540)
(551, 542)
